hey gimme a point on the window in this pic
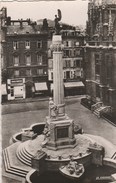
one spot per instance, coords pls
(45, 72)
(67, 62)
(67, 43)
(12, 91)
(39, 44)
(64, 75)
(77, 63)
(27, 44)
(66, 53)
(77, 43)
(51, 75)
(28, 59)
(75, 76)
(16, 73)
(39, 59)
(97, 91)
(15, 45)
(67, 74)
(77, 52)
(16, 60)
(97, 64)
(28, 72)
(40, 71)
(49, 53)
(109, 67)
(71, 74)
(50, 63)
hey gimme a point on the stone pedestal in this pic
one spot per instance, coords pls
(38, 161)
(97, 153)
(61, 133)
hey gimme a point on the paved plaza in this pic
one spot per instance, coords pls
(22, 115)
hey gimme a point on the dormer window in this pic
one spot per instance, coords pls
(15, 45)
(27, 44)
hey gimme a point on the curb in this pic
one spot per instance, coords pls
(38, 99)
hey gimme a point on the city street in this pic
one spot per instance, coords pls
(18, 116)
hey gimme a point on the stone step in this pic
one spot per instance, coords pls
(98, 110)
(97, 113)
(12, 170)
(27, 152)
(24, 146)
(6, 153)
(23, 159)
(23, 155)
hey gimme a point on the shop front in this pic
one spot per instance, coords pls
(16, 88)
(41, 89)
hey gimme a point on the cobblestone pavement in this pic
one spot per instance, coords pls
(22, 115)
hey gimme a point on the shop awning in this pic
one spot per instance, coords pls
(3, 89)
(41, 86)
(70, 85)
(73, 84)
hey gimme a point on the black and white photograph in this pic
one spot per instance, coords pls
(58, 91)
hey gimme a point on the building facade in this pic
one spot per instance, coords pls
(73, 42)
(100, 55)
(25, 59)
(3, 14)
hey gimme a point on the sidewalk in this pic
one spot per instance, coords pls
(25, 100)
(32, 104)
(45, 98)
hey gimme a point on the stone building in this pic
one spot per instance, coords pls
(25, 59)
(100, 57)
(73, 42)
(3, 13)
(27, 63)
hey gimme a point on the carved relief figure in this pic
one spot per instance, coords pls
(53, 109)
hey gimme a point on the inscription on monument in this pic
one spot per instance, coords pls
(62, 132)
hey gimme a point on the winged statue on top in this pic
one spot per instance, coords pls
(57, 19)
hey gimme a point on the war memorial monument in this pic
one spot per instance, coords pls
(58, 145)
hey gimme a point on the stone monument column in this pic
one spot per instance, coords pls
(60, 126)
(58, 95)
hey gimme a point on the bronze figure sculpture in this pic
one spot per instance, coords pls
(57, 19)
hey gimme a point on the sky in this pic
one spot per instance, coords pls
(73, 12)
